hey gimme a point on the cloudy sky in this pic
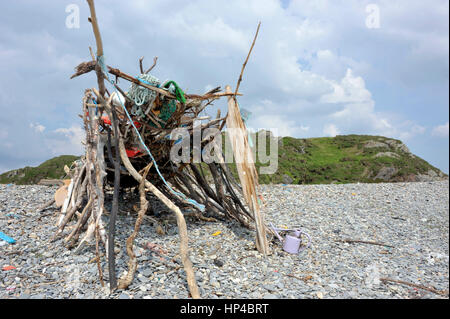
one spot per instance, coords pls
(319, 68)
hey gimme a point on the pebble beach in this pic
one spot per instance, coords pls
(365, 240)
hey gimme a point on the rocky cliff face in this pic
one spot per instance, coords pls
(395, 149)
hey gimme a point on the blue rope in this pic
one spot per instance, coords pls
(96, 107)
(101, 61)
(146, 82)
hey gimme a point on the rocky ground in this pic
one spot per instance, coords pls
(411, 218)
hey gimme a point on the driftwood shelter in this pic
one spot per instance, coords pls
(127, 141)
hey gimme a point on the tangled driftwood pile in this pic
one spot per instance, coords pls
(127, 140)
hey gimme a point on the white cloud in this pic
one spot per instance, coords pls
(358, 107)
(304, 128)
(279, 125)
(358, 112)
(328, 63)
(441, 130)
(331, 130)
(407, 131)
(38, 128)
(351, 89)
(66, 140)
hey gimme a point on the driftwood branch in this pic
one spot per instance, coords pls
(132, 263)
(115, 204)
(46, 205)
(352, 241)
(192, 283)
(430, 289)
(246, 60)
(246, 169)
(92, 54)
(98, 40)
(141, 68)
(93, 20)
(154, 63)
(86, 67)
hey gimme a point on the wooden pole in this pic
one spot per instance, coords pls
(98, 40)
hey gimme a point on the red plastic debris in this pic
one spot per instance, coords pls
(8, 268)
(133, 152)
(137, 124)
(106, 120)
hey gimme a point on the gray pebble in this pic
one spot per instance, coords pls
(124, 296)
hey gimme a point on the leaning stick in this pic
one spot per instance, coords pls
(81, 221)
(154, 63)
(93, 20)
(98, 41)
(351, 241)
(242, 72)
(72, 211)
(97, 256)
(92, 54)
(141, 68)
(46, 205)
(86, 67)
(78, 174)
(431, 289)
(65, 216)
(115, 203)
(100, 173)
(91, 153)
(73, 237)
(246, 169)
(184, 253)
(246, 60)
(66, 201)
(132, 263)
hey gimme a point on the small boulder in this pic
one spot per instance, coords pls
(387, 154)
(386, 173)
(399, 146)
(372, 144)
(287, 179)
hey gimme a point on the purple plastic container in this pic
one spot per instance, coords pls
(292, 242)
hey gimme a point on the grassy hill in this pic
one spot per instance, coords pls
(52, 169)
(347, 159)
(324, 160)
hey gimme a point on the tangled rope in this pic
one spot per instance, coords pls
(201, 207)
(141, 95)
